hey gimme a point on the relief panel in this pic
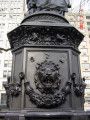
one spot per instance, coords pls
(47, 73)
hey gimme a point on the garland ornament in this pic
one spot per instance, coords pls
(50, 100)
(79, 89)
(13, 89)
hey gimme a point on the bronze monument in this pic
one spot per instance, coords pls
(46, 82)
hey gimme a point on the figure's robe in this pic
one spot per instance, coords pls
(58, 5)
(53, 4)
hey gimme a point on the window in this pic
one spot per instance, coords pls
(80, 17)
(4, 73)
(85, 58)
(18, 24)
(80, 23)
(7, 44)
(9, 63)
(87, 99)
(1, 43)
(89, 32)
(0, 53)
(18, 10)
(88, 17)
(2, 26)
(3, 82)
(14, 17)
(85, 65)
(15, 3)
(87, 82)
(15, 10)
(9, 25)
(19, 2)
(86, 73)
(18, 17)
(84, 43)
(11, 10)
(12, 2)
(82, 30)
(88, 23)
(5, 63)
(3, 3)
(8, 54)
(84, 50)
(87, 91)
(2, 17)
(12, 25)
(71, 17)
(10, 17)
(3, 10)
(1, 33)
(3, 99)
(9, 73)
(72, 23)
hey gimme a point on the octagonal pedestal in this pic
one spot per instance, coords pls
(46, 81)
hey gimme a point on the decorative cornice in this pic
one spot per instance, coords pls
(45, 36)
(45, 29)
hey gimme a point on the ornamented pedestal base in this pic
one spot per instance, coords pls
(48, 116)
(45, 49)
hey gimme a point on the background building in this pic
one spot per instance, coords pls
(11, 14)
(82, 23)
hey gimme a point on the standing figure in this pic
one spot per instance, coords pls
(60, 6)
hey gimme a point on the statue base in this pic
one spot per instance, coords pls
(46, 116)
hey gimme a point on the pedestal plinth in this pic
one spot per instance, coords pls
(48, 116)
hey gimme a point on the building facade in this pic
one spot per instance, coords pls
(82, 23)
(11, 14)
